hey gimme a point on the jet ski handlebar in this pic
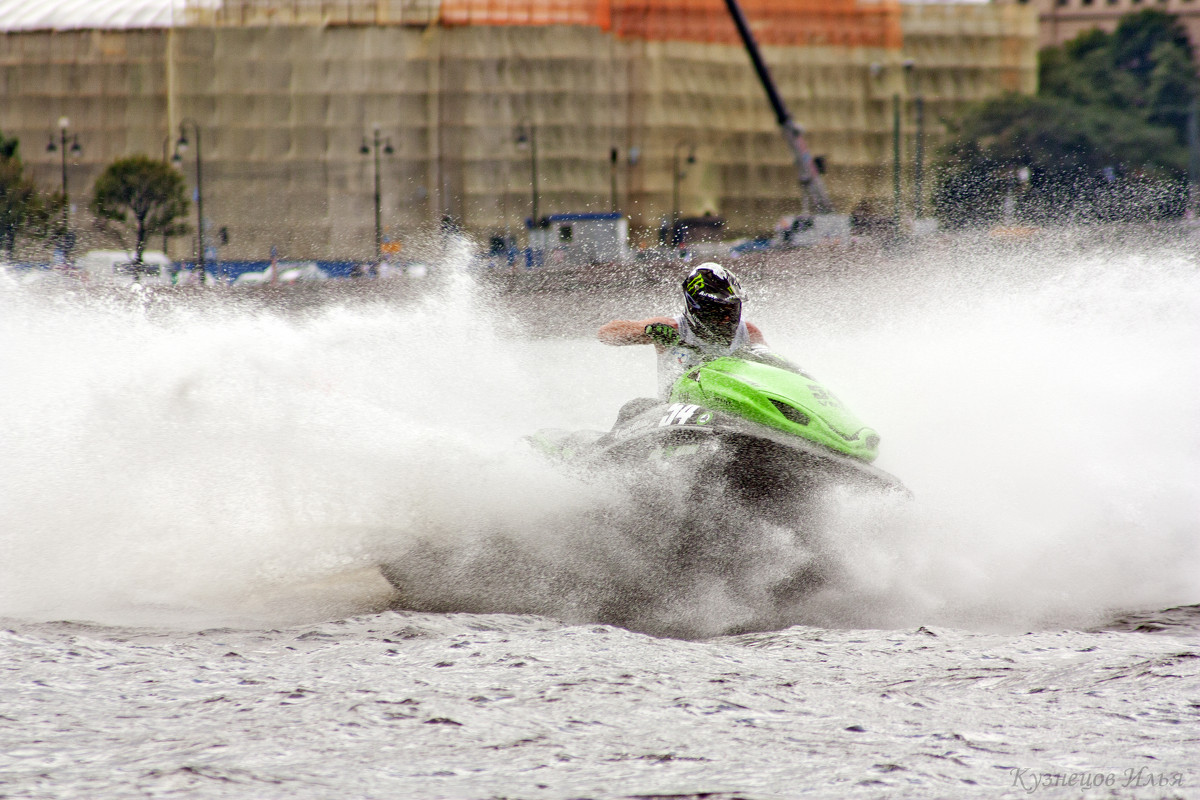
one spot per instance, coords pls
(667, 336)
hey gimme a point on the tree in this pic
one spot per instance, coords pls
(1053, 158)
(1105, 137)
(23, 210)
(1138, 37)
(144, 196)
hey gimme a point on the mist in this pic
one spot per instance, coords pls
(201, 461)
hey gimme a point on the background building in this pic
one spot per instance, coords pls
(1062, 20)
(649, 107)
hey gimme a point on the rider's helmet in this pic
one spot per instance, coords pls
(713, 300)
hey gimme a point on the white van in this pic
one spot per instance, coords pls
(116, 266)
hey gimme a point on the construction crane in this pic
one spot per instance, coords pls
(806, 168)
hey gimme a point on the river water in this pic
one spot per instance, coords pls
(198, 490)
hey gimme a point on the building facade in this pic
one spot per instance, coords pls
(1062, 20)
(486, 108)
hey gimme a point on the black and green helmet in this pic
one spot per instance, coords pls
(713, 302)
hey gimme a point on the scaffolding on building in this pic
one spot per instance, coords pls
(617, 94)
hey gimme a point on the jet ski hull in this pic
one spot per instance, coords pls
(759, 458)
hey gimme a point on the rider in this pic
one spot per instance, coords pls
(711, 324)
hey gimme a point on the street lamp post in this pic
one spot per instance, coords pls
(612, 176)
(61, 146)
(366, 150)
(166, 160)
(677, 176)
(919, 159)
(181, 146)
(919, 144)
(896, 161)
(527, 137)
(1193, 139)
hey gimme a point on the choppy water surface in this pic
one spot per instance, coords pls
(197, 492)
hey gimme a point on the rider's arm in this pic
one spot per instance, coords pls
(629, 331)
(756, 336)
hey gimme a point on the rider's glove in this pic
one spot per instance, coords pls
(662, 334)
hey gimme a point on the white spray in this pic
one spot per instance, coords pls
(185, 464)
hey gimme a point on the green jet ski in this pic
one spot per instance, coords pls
(741, 440)
(772, 426)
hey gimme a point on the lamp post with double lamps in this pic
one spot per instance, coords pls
(911, 73)
(613, 155)
(527, 137)
(366, 150)
(62, 147)
(181, 146)
(677, 175)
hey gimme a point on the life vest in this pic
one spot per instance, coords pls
(674, 361)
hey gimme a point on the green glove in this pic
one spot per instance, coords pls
(662, 334)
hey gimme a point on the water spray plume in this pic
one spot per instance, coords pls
(211, 460)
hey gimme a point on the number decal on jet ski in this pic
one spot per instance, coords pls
(678, 414)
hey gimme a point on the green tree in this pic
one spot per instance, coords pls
(144, 196)
(1138, 36)
(1171, 89)
(23, 209)
(1053, 158)
(1104, 138)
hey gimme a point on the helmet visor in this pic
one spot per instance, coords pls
(715, 318)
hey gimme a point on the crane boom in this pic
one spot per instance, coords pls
(793, 134)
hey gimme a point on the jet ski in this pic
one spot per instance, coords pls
(753, 417)
(721, 487)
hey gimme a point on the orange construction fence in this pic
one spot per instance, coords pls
(840, 23)
(524, 12)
